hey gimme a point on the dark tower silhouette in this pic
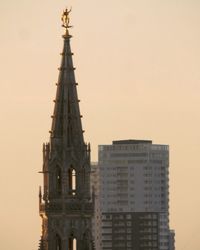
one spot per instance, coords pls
(66, 205)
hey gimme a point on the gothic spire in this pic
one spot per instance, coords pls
(66, 123)
(65, 204)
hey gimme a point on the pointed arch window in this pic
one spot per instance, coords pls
(72, 243)
(86, 240)
(58, 242)
(58, 180)
(72, 181)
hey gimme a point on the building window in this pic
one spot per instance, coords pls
(72, 181)
(72, 243)
(58, 242)
(58, 180)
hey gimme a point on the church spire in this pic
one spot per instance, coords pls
(66, 125)
(65, 202)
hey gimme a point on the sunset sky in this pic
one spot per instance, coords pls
(138, 68)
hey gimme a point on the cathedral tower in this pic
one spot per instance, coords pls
(65, 202)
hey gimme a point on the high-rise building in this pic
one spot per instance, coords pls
(172, 240)
(133, 193)
(65, 202)
(96, 221)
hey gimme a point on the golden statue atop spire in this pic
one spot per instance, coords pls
(65, 19)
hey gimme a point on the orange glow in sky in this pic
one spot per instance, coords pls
(137, 65)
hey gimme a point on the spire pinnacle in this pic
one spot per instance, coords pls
(66, 123)
(65, 20)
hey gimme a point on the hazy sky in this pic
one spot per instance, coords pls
(137, 64)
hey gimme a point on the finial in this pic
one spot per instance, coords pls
(65, 20)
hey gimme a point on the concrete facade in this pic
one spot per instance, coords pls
(133, 182)
(172, 240)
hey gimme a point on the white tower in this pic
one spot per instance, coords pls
(134, 195)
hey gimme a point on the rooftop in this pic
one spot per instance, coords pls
(132, 141)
